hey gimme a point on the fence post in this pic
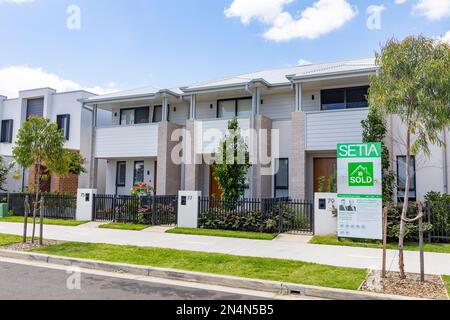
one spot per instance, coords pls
(280, 215)
(114, 208)
(430, 234)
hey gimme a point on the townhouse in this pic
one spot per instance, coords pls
(72, 117)
(312, 108)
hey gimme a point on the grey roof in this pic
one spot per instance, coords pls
(273, 77)
(281, 76)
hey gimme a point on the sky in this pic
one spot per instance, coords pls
(111, 45)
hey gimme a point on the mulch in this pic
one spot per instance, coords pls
(433, 288)
(29, 246)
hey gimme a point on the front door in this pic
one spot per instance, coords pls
(324, 169)
(214, 188)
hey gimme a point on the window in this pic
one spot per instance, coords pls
(127, 117)
(63, 122)
(345, 98)
(134, 116)
(138, 172)
(401, 178)
(35, 108)
(121, 174)
(282, 179)
(157, 114)
(234, 108)
(7, 131)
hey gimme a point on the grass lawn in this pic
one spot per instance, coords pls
(334, 241)
(124, 226)
(53, 222)
(447, 283)
(225, 233)
(6, 239)
(247, 267)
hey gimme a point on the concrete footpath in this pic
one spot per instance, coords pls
(436, 263)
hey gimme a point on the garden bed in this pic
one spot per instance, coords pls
(433, 287)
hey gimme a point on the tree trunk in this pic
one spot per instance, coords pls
(41, 229)
(37, 190)
(26, 215)
(405, 207)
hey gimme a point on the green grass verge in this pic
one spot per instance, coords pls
(447, 283)
(124, 226)
(334, 241)
(225, 233)
(247, 267)
(6, 239)
(53, 222)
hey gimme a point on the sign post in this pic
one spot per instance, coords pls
(360, 190)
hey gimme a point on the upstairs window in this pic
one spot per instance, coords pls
(6, 131)
(345, 98)
(63, 122)
(134, 116)
(230, 108)
(35, 108)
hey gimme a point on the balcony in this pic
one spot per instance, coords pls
(134, 141)
(325, 129)
(209, 133)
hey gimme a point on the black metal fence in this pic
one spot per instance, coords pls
(438, 216)
(152, 210)
(55, 206)
(257, 215)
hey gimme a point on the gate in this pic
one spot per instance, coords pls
(152, 210)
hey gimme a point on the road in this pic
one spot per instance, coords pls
(31, 282)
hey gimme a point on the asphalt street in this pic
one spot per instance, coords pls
(24, 282)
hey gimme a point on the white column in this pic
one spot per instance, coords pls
(193, 107)
(165, 104)
(256, 102)
(298, 97)
(92, 164)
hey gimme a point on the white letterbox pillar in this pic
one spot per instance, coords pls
(85, 204)
(325, 214)
(188, 206)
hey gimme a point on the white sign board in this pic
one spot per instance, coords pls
(360, 203)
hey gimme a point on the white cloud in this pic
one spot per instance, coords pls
(433, 9)
(303, 62)
(17, 78)
(265, 11)
(400, 1)
(446, 37)
(322, 17)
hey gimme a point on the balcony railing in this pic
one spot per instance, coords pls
(325, 129)
(209, 133)
(127, 141)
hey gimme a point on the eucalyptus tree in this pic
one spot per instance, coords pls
(413, 83)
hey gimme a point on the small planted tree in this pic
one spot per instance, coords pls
(413, 84)
(374, 130)
(232, 163)
(41, 144)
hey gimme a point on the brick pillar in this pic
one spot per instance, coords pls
(65, 185)
(261, 185)
(169, 173)
(193, 167)
(297, 161)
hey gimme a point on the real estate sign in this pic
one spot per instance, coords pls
(360, 191)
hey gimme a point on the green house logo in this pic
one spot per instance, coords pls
(361, 174)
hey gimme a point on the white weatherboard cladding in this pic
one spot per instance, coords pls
(209, 133)
(278, 106)
(127, 141)
(325, 129)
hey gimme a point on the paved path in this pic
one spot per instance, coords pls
(26, 282)
(331, 255)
